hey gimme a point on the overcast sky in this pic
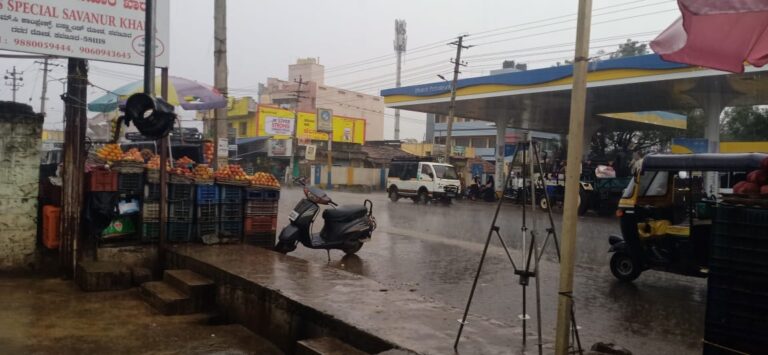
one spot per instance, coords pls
(353, 39)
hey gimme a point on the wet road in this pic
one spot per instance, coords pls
(434, 250)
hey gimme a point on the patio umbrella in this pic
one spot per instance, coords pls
(188, 94)
(718, 34)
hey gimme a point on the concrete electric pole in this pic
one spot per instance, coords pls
(220, 79)
(452, 107)
(45, 70)
(297, 96)
(400, 44)
(15, 78)
(572, 172)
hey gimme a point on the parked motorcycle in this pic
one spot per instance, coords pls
(346, 228)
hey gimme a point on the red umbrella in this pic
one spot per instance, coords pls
(718, 34)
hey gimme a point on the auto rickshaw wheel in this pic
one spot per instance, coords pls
(583, 202)
(624, 268)
(393, 196)
(543, 203)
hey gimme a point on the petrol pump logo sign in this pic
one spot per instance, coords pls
(324, 120)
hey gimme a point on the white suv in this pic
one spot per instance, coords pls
(422, 181)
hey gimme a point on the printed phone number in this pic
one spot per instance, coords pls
(105, 53)
(42, 45)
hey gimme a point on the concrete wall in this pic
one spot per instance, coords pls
(20, 144)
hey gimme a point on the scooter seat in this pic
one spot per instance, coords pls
(344, 213)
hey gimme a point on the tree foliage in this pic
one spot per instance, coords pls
(745, 123)
(630, 48)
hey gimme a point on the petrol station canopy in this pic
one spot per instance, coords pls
(620, 91)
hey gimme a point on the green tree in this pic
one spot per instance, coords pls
(745, 123)
(630, 48)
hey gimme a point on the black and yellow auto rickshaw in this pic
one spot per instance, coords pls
(665, 216)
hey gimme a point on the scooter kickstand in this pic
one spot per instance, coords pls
(329, 254)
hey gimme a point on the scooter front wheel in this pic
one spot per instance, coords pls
(285, 247)
(352, 247)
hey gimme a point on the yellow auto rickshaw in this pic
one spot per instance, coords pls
(665, 216)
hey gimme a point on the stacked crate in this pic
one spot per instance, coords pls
(150, 213)
(230, 211)
(181, 207)
(737, 286)
(206, 211)
(261, 216)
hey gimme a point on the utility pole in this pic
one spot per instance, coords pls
(70, 249)
(220, 77)
(45, 70)
(400, 42)
(14, 77)
(570, 205)
(452, 107)
(297, 96)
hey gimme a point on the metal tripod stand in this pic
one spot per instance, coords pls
(532, 252)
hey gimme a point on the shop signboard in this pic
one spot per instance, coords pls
(105, 30)
(223, 148)
(689, 145)
(279, 147)
(324, 120)
(345, 129)
(278, 126)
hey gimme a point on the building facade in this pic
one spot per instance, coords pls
(480, 136)
(315, 94)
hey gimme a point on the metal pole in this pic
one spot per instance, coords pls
(575, 146)
(220, 73)
(329, 185)
(149, 48)
(163, 146)
(289, 175)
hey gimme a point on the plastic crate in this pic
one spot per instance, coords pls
(261, 208)
(181, 192)
(264, 240)
(256, 225)
(207, 194)
(207, 213)
(179, 232)
(152, 192)
(202, 229)
(256, 194)
(102, 181)
(150, 232)
(231, 229)
(180, 211)
(130, 184)
(150, 211)
(231, 212)
(231, 194)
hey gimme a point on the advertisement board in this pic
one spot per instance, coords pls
(106, 30)
(279, 148)
(311, 152)
(351, 130)
(278, 126)
(324, 120)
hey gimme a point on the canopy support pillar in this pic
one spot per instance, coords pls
(501, 134)
(591, 126)
(713, 108)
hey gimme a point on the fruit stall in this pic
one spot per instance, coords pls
(122, 202)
